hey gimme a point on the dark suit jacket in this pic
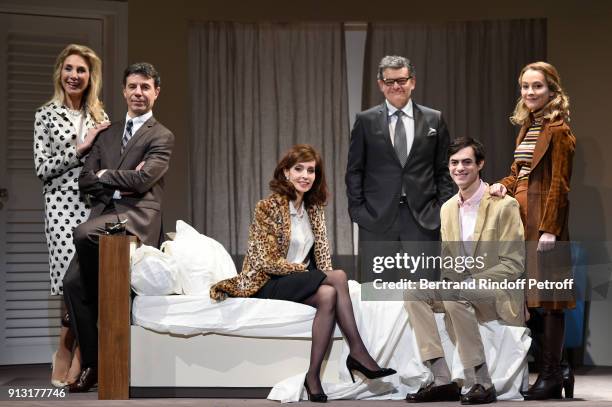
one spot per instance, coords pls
(374, 175)
(152, 144)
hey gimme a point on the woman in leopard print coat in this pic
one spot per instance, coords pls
(288, 258)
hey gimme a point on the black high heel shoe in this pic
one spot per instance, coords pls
(315, 398)
(353, 364)
(66, 320)
(568, 381)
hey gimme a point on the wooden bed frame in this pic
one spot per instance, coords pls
(114, 314)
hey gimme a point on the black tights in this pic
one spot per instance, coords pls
(333, 302)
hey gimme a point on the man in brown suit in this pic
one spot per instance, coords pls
(123, 177)
(478, 226)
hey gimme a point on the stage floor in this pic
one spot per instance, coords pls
(593, 388)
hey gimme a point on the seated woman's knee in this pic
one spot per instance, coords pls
(337, 277)
(326, 295)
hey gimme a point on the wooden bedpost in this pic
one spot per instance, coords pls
(114, 317)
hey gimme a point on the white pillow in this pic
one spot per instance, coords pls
(201, 261)
(153, 272)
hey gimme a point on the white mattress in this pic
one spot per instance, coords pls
(384, 327)
(193, 315)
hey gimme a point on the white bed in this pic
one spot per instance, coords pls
(253, 343)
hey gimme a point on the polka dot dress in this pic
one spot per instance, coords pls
(57, 165)
(64, 211)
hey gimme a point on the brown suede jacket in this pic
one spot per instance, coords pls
(549, 181)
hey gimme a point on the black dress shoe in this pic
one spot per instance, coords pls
(87, 380)
(478, 395)
(445, 392)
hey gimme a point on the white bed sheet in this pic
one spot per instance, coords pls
(193, 315)
(384, 327)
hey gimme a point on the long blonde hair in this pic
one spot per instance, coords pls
(556, 108)
(92, 93)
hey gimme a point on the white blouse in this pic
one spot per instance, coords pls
(302, 237)
(78, 121)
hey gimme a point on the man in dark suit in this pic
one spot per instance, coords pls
(123, 176)
(397, 176)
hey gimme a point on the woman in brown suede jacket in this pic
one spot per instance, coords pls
(540, 180)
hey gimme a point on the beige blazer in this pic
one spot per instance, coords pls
(499, 241)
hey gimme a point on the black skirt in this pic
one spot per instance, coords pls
(294, 287)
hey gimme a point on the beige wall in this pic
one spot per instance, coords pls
(579, 44)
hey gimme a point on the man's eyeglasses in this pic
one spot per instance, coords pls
(399, 81)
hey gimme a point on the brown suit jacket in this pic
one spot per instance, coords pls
(499, 240)
(269, 237)
(142, 190)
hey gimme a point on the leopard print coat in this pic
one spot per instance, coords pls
(269, 237)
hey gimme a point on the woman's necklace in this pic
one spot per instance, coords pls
(74, 113)
(299, 211)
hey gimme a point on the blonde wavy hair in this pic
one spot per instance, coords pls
(91, 96)
(556, 108)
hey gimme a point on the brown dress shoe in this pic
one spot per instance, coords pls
(87, 380)
(445, 392)
(478, 395)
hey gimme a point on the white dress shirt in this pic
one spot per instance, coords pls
(302, 238)
(407, 118)
(137, 121)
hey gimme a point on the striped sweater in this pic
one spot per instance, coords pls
(523, 154)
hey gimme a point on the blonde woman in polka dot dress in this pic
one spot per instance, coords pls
(64, 130)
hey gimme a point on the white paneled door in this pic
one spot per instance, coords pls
(29, 315)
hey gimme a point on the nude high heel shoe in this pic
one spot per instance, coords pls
(55, 382)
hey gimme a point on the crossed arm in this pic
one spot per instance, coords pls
(102, 182)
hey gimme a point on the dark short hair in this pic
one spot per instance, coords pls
(394, 62)
(317, 195)
(142, 68)
(463, 142)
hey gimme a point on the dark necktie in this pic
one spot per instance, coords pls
(127, 135)
(399, 139)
